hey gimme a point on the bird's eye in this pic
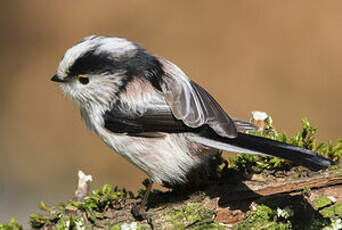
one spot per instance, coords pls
(83, 79)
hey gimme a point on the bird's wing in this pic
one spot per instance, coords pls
(244, 125)
(181, 106)
(192, 104)
(122, 118)
(154, 118)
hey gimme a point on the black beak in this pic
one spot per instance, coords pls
(57, 79)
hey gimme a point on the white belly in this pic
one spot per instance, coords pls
(168, 158)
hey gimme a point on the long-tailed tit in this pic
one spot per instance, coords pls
(147, 109)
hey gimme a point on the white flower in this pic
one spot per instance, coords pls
(335, 225)
(281, 212)
(284, 213)
(83, 178)
(333, 199)
(259, 116)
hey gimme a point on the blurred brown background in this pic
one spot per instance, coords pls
(282, 57)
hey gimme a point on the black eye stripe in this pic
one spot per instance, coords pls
(84, 80)
(91, 63)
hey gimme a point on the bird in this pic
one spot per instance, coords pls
(149, 111)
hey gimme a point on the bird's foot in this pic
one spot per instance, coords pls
(140, 213)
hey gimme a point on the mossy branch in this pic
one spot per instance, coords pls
(245, 192)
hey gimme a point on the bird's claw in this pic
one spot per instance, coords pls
(140, 213)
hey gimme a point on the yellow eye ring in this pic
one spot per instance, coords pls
(82, 76)
(83, 79)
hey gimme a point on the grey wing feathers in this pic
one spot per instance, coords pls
(192, 104)
(244, 125)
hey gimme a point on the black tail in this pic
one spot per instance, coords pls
(255, 144)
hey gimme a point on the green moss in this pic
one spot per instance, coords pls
(334, 212)
(266, 218)
(284, 212)
(115, 227)
(11, 225)
(192, 216)
(73, 213)
(338, 209)
(321, 202)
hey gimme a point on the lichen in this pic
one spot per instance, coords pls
(284, 212)
(191, 216)
(266, 218)
(334, 212)
(281, 212)
(321, 202)
(99, 209)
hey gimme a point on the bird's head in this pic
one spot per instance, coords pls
(97, 69)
